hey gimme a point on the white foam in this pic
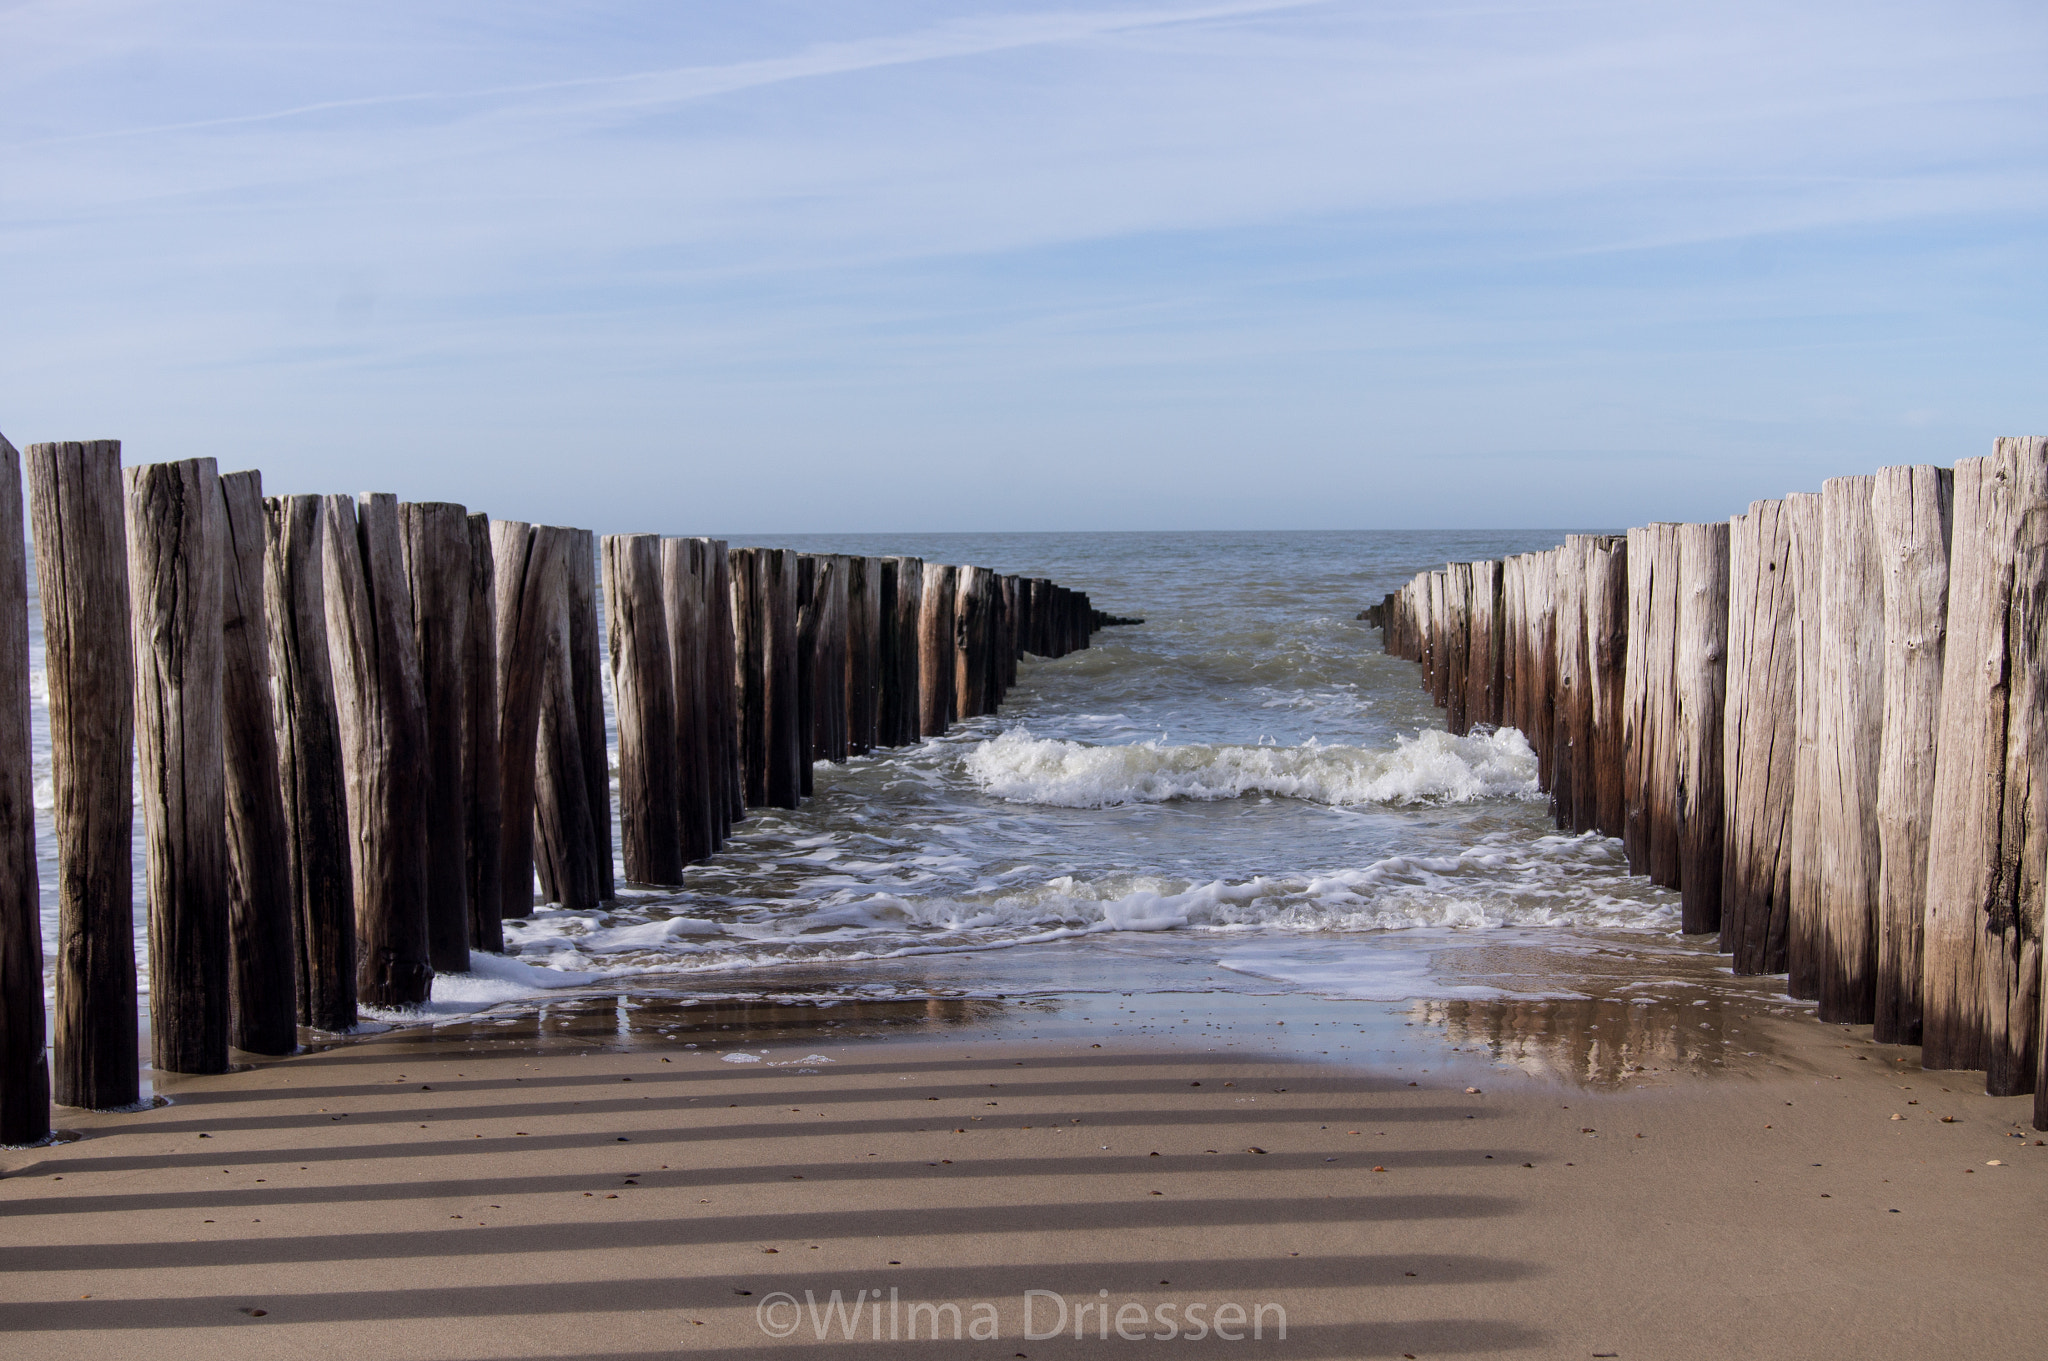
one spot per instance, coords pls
(491, 979)
(1433, 767)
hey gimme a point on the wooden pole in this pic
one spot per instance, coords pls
(1511, 624)
(383, 734)
(1851, 733)
(1543, 664)
(906, 636)
(263, 964)
(1803, 928)
(482, 778)
(75, 508)
(644, 692)
(1910, 508)
(1457, 623)
(1606, 658)
(311, 770)
(586, 674)
(935, 647)
(750, 622)
(791, 758)
(1702, 675)
(863, 655)
(24, 1062)
(685, 601)
(809, 612)
(1569, 684)
(1981, 966)
(970, 641)
(1482, 646)
(722, 739)
(435, 537)
(565, 833)
(1006, 643)
(527, 568)
(1759, 738)
(176, 547)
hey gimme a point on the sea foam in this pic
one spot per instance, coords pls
(1434, 767)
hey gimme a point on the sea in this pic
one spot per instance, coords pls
(1240, 802)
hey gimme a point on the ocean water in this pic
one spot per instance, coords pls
(1241, 793)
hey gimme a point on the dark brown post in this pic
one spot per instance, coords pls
(721, 660)
(693, 754)
(565, 833)
(809, 613)
(644, 690)
(263, 964)
(935, 650)
(75, 507)
(1606, 658)
(482, 780)
(1568, 681)
(1759, 739)
(970, 641)
(435, 536)
(1911, 511)
(311, 770)
(24, 1064)
(1851, 733)
(863, 653)
(586, 673)
(175, 555)
(383, 736)
(528, 568)
(790, 759)
(750, 629)
(906, 637)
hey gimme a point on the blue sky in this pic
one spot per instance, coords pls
(763, 266)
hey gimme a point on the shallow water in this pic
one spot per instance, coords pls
(1245, 773)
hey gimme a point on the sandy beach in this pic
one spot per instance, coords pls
(566, 1192)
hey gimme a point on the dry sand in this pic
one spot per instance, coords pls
(454, 1194)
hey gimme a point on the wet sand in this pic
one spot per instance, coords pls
(600, 1180)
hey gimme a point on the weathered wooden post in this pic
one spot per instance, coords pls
(970, 641)
(830, 658)
(1510, 639)
(809, 617)
(1482, 646)
(750, 625)
(311, 769)
(1980, 977)
(935, 650)
(693, 755)
(1910, 508)
(1651, 717)
(1606, 659)
(1851, 734)
(1543, 662)
(1457, 623)
(565, 834)
(1006, 642)
(483, 789)
(263, 968)
(1759, 737)
(24, 1064)
(644, 690)
(863, 652)
(383, 735)
(435, 537)
(527, 567)
(1804, 932)
(721, 662)
(75, 507)
(175, 562)
(586, 675)
(908, 704)
(791, 757)
(1569, 685)
(1702, 673)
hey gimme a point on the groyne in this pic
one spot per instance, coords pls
(367, 726)
(1823, 722)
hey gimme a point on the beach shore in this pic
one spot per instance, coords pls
(456, 1192)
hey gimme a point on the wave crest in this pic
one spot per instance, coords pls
(1434, 767)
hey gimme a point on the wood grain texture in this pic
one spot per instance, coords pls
(863, 652)
(24, 1061)
(936, 664)
(263, 961)
(644, 694)
(1851, 733)
(1457, 643)
(1637, 736)
(791, 761)
(586, 675)
(564, 821)
(1568, 685)
(1606, 660)
(312, 774)
(1759, 738)
(482, 779)
(176, 543)
(527, 568)
(382, 715)
(750, 627)
(1803, 930)
(693, 754)
(1663, 756)
(1483, 646)
(435, 538)
(1910, 511)
(76, 511)
(720, 660)
(909, 706)
(1702, 678)
(971, 657)
(809, 618)
(1541, 670)
(2011, 958)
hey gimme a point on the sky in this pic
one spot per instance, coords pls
(893, 266)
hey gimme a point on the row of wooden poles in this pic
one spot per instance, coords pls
(1824, 722)
(364, 726)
